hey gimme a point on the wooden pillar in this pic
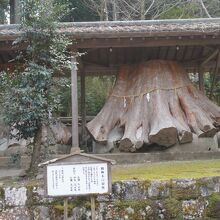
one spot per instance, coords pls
(83, 106)
(201, 80)
(74, 97)
(217, 66)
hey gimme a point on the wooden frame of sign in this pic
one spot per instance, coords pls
(60, 173)
(78, 174)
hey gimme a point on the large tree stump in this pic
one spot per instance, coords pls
(155, 102)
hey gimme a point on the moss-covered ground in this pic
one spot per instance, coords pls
(167, 170)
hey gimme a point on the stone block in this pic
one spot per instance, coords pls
(133, 191)
(79, 213)
(171, 209)
(16, 213)
(17, 149)
(37, 196)
(193, 209)
(184, 189)
(158, 189)
(129, 210)
(15, 196)
(209, 185)
(41, 213)
(118, 190)
(104, 198)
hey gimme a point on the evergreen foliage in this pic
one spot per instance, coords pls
(3, 10)
(29, 98)
(97, 90)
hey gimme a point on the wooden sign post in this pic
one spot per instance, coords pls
(76, 175)
(65, 205)
(92, 198)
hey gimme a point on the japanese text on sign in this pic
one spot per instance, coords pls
(77, 179)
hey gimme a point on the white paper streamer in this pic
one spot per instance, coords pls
(125, 102)
(148, 97)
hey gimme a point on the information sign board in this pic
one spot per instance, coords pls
(77, 179)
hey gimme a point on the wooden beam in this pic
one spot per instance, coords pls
(95, 69)
(215, 76)
(145, 42)
(129, 42)
(74, 97)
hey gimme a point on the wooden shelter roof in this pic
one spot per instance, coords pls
(109, 44)
(171, 27)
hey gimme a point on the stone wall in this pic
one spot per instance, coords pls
(130, 200)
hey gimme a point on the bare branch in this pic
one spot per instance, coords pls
(204, 8)
(171, 6)
(130, 6)
(149, 8)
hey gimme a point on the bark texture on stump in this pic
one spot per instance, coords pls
(155, 102)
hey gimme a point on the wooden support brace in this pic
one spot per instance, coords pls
(202, 69)
(210, 57)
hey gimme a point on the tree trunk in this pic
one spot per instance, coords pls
(114, 10)
(155, 103)
(35, 157)
(104, 8)
(142, 9)
(15, 11)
